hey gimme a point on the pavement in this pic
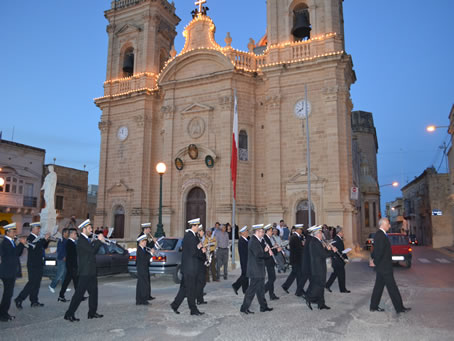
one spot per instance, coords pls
(427, 287)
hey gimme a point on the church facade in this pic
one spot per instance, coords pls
(160, 105)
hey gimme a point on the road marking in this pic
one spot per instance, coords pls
(424, 260)
(442, 260)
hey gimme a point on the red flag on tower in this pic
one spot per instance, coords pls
(234, 160)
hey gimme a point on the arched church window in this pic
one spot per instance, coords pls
(119, 222)
(128, 62)
(366, 214)
(243, 146)
(374, 211)
(301, 22)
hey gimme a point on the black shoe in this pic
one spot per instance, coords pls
(142, 303)
(62, 299)
(235, 290)
(308, 303)
(202, 302)
(346, 291)
(329, 289)
(266, 309)
(84, 298)
(18, 303)
(244, 311)
(404, 310)
(37, 304)
(175, 310)
(274, 298)
(285, 289)
(11, 317)
(225, 278)
(151, 298)
(197, 313)
(95, 316)
(323, 306)
(71, 318)
(377, 309)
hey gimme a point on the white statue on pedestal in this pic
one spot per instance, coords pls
(49, 214)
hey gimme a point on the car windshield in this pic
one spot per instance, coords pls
(168, 244)
(398, 240)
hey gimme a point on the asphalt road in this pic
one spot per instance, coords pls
(427, 287)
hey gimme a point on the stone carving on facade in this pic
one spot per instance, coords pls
(167, 112)
(273, 101)
(104, 125)
(226, 102)
(137, 211)
(196, 127)
(140, 120)
(196, 108)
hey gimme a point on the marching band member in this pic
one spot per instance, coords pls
(242, 281)
(210, 243)
(71, 265)
(192, 250)
(35, 266)
(296, 260)
(201, 271)
(318, 254)
(144, 255)
(146, 230)
(270, 262)
(256, 271)
(338, 263)
(10, 254)
(86, 256)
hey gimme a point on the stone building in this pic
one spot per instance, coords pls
(21, 171)
(178, 108)
(395, 214)
(427, 208)
(92, 197)
(70, 194)
(365, 174)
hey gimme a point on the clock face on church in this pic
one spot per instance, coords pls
(122, 133)
(300, 108)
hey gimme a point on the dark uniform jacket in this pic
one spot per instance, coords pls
(150, 244)
(243, 252)
(35, 257)
(10, 259)
(191, 254)
(256, 259)
(382, 254)
(266, 241)
(318, 255)
(71, 255)
(339, 244)
(296, 249)
(142, 261)
(86, 256)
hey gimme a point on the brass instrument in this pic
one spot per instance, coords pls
(340, 255)
(106, 240)
(209, 254)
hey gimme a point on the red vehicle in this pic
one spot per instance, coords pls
(401, 251)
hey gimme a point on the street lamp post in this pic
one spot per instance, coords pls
(161, 169)
(432, 128)
(394, 184)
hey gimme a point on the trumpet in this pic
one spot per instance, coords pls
(340, 255)
(106, 240)
(209, 254)
(149, 250)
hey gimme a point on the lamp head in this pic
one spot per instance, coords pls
(161, 168)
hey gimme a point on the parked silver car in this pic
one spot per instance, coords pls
(168, 261)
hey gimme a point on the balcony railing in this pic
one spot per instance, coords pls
(30, 201)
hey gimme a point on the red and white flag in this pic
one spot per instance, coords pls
(234, 160)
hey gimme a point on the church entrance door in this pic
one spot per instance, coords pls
(196, 205)
(302, 213)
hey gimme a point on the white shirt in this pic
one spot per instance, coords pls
(72, 240)
(260, 239)
(83, 234)
(384, 231)
(244, 238)
(11, 240)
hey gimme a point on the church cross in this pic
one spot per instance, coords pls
(200, 4)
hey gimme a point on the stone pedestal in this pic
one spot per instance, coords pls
(48, 220)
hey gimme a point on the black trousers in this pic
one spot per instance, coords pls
(71, 275)
(143, 288)
(86, 283)
(339, 272)
(296, 273)
(382, 280)
(316, 291)
(201, 282)
(269, 285)
(8, 290)
(256, 287)
(187, 289)
(35, 274)
(241, 282)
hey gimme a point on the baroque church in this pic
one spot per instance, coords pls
(177, 107)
